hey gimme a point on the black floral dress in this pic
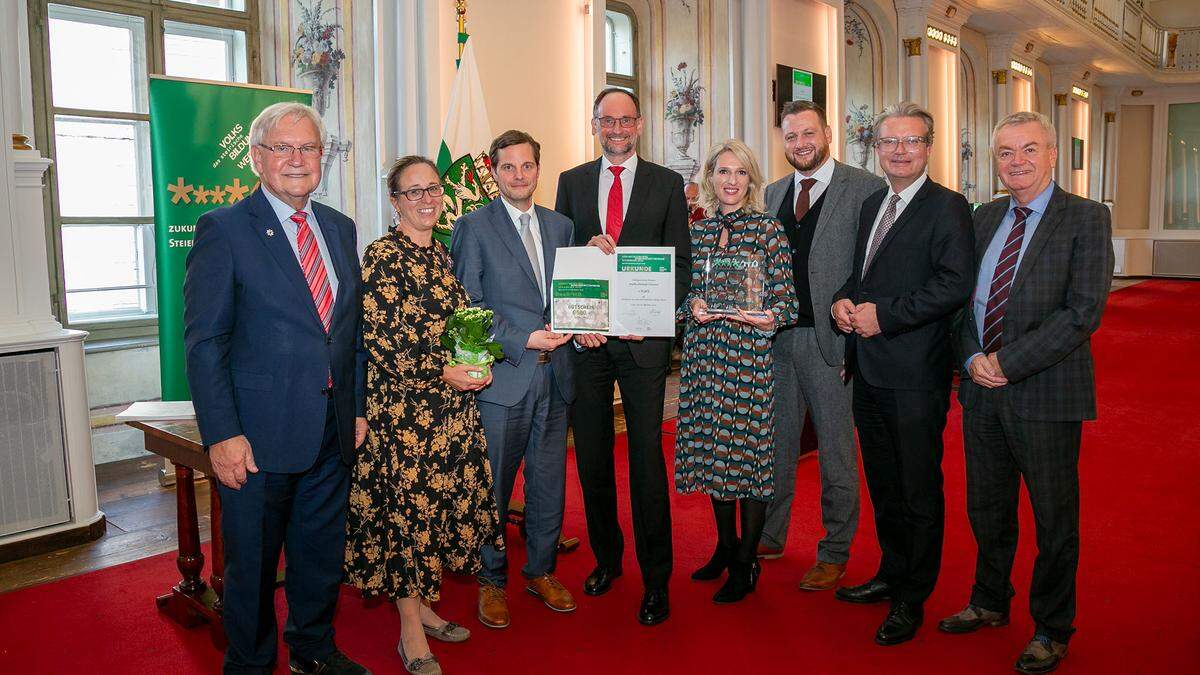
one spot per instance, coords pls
(724, 445)
(421, 489)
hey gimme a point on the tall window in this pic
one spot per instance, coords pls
(92, 61)
(620, 58)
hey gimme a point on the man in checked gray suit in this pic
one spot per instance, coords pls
(818, 205)
(1043, 263)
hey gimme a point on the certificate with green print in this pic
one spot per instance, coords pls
(631, 292)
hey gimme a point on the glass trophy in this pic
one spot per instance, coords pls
(735, 281)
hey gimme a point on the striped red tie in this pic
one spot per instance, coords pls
(1002, 280)
(314, 269)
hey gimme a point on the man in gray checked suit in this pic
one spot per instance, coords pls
(1044, 263)
(818, 205)
(504, 256)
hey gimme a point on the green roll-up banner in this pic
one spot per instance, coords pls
(200, 153)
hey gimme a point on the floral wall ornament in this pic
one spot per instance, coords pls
(966, 152)
(858, 132)
(856, 34)
(685, 111)
(316, 55)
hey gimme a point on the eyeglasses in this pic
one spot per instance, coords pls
(610, 122)
(282, 150)
(415, 194)
(890, 143)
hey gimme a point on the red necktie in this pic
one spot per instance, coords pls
(802, 198)
(1002, 279)
(314, 269)
(616, 203)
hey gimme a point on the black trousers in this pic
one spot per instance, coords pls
(1001, 448)
(642, 393)
(900, 432)
(305, 515)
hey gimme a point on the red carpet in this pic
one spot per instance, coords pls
(1139, 578)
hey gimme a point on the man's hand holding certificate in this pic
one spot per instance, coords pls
(623, 291)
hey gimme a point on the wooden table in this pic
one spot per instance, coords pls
(190, 602)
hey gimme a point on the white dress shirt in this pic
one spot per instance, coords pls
(906, 196)
(823, 175)
(515, 214)
(606, 183)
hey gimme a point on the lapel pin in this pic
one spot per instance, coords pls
(270, 233)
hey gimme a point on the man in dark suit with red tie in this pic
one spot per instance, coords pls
(271, 321)
(911, 276)
(622, 199)
(1043, 263)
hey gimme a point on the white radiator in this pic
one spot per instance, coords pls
(33, 463)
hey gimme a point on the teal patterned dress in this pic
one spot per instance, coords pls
(724, 445)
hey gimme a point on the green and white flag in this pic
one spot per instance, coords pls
(462, 158)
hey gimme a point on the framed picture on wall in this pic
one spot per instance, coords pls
(793, 84)
(1076, 154)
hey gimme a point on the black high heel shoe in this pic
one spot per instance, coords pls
(743, 579)
(720, 561)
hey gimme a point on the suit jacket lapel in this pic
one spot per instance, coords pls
(506, 229)
(906, 217)
(776, 192)
(641, 188)
(280, 249)
(549, 246)
(1045, 229)
(865, 221)
(590, 218)
(833, 193)
(989, 231)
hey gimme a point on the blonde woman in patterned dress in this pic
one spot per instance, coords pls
(421, 491)
(724, 444)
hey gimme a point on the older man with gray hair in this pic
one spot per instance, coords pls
(1042, 270)
(271, 320)
(910, 278)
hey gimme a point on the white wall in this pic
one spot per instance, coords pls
(122, 376)
(533, 57)
(806, 34)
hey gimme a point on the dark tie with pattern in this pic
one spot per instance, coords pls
(885, 224)
(1002, 280)
(802, 198)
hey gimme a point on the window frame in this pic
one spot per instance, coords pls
(154, 14)
(611, 79)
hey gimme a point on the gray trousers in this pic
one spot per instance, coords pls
(532, 432)
(804, 381)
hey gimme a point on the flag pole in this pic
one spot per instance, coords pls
(460, 8)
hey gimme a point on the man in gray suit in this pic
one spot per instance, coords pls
(818, 205)
(1043, 263)
(504, 256)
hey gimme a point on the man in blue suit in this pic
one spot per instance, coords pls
(504, 256)
(271, 319)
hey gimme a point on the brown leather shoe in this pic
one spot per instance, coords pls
(552, 592)
(822, 577)
(493, 606)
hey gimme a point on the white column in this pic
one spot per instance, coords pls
(753, 35)
(912, 16)
(26, 321)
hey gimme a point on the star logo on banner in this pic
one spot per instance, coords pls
(201, 195)
(217, 194)
(180, 191)
(236, 191)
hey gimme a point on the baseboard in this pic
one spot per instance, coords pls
(52, 542)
